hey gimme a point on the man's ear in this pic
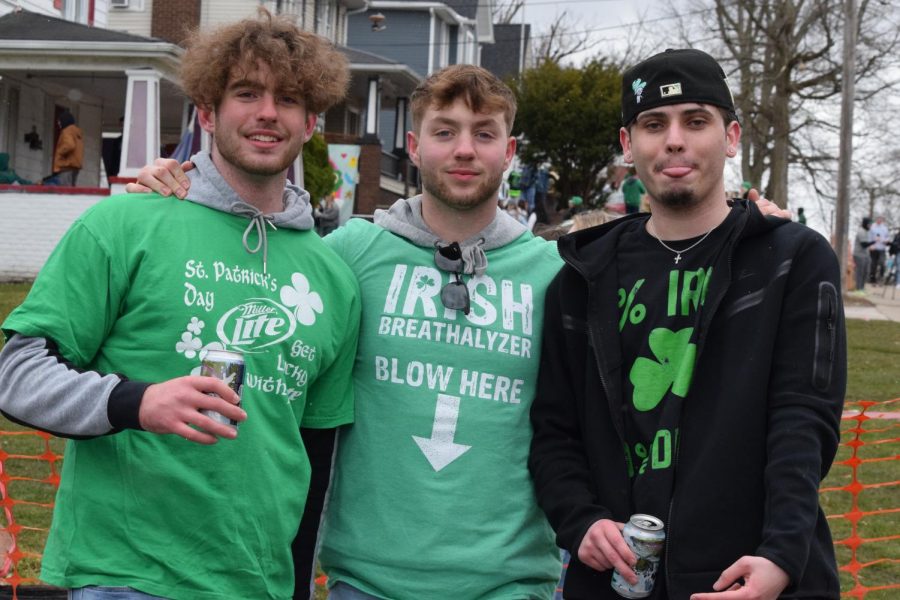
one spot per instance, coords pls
(311, 120)
(207, 119)
(510, 151)
(733, 137)
(625, 142)
(412, 142)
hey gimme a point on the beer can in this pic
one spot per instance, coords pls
(228, 366)
(645, 535)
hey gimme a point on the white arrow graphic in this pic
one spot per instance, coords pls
(439, 449)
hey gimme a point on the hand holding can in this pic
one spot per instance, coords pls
(228, 366)
(645, 535)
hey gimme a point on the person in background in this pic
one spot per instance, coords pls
(702, 336)
(633, 191)
(527, 185)
(541, 189)
(861, 258)
(68, 157)
(576, 205)
(880, 237)
(162, 495)
(328, 214)
(7, 174)
(592, 218)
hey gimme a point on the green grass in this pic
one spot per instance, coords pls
(26, 475)
(11, 295)
(873, 374)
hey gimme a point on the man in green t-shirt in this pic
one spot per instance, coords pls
(158, 498)
(633, 191)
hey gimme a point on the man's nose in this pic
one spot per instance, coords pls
(675, 138)
(465, 145)
(267, 108)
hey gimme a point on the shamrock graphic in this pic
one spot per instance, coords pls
(196, 326)
(424, 282)
(305, 302)
(673, 368)
(188, 345)
(638, 86)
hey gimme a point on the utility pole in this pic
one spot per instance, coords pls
(845, 156)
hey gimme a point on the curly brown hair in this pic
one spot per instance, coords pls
(302, 63)
(481, 90)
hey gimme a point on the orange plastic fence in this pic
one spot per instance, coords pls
(867, 425)
(45, 474)
(873, 426)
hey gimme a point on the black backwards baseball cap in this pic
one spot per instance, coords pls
(674, 77)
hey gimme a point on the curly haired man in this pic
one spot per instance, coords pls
(158, 498)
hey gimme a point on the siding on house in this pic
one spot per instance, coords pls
(45, 7)
(33, 226)
(225, 11)
(406, 39)
(136, 19)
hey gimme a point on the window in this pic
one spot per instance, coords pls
(77, 11)
(325, 18)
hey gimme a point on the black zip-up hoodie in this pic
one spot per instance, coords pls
(758, 430)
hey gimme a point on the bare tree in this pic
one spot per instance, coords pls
(505, 11)
(560, 40)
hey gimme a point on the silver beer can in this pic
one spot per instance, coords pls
(228, 366)
(645, 535)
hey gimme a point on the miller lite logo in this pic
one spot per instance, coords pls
(256, 324)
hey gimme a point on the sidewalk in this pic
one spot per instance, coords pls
(879, 304)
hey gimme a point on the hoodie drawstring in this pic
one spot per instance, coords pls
(474, 259)
(258, 221)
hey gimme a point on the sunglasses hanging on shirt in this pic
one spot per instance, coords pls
(454, 295)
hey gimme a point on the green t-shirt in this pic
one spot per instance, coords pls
(661, 296)
(431, 497)
(143, 287)
(633, 190)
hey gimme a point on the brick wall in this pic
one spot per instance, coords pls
(368, 190)
(32, 226)
(173, 19)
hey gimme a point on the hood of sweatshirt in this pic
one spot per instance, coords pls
(404, 218)
(208, 188)
(586, 250)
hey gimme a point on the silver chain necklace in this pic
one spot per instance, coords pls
(678, 253)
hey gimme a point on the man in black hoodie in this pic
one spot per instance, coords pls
(693, 368)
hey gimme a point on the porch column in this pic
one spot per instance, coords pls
(373, 108)
(400, 127)
(368, 190)
(140, 138)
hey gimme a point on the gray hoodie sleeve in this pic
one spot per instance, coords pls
(39, 388)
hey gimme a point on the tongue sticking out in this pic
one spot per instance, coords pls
(676, 171)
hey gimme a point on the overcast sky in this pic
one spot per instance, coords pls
(603, 19)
